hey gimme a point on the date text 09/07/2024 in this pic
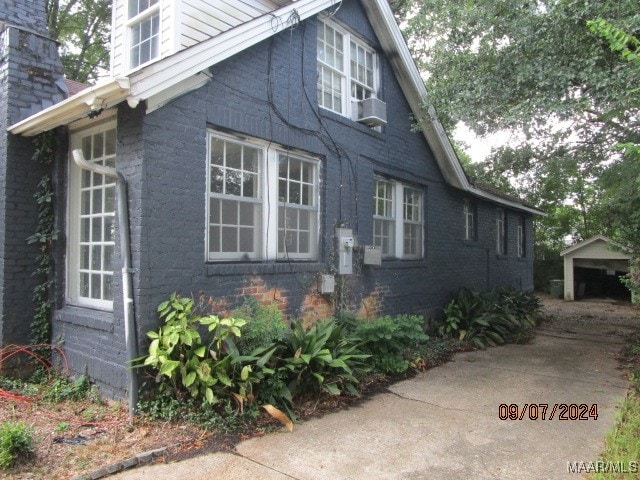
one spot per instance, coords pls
(546, 411)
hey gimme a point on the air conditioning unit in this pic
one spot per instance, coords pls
(372, 112)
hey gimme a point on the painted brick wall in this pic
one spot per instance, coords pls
(268, 92)
(30, 72)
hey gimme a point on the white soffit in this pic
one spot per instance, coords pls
(100, 97)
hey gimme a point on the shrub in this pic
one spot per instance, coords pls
(489, 318)
(265, 325)
(186, 363)
(392, 342)
(62, 388)
(16, 444)
(322, 358)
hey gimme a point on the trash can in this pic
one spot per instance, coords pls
(556, 288)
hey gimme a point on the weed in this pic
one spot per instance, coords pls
(62, 427)
(62, 388)
(16, 444)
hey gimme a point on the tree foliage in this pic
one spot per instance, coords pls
(540, 68)
(83, 29)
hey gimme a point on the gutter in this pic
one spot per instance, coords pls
(127, 271)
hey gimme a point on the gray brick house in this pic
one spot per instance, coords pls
(267, 148)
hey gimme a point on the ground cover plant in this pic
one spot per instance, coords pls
(622, 443)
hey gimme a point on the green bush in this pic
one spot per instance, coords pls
(186, 363)
(62, 388)
(489, 318)
(322, 358)
(392, 342)
(265, 325)
(16, 444)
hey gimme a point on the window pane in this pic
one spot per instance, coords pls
(84, 257)
(233, 156)
(217, 180)
(229, 239)
(233, 183)
(217, 152)
(229, 212)
(246, 240)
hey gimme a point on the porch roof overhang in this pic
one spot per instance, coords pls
(90, 101)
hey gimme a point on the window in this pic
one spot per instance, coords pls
(144, 31)
(246, 178)
(297, 208)
(397, 204)
(501, 232)
(347, 69)
(521, 238)
(91, 221)
(469, 214)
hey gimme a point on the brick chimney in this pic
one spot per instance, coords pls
(31, 79)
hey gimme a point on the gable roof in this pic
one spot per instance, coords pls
(597, 238)
(174, 75)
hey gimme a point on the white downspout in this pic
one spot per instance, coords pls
(125, 253)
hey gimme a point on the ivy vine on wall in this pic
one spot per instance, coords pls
(45, 148)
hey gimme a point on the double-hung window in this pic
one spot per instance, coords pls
(501, 232)
(347, 69)
(144, 31)
(262, 201)
(521, 237)
(398, 214)
(92, 221)
(469, 216)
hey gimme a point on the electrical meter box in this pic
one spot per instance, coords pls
(345, 244)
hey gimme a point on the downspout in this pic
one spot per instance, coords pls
(125, 253)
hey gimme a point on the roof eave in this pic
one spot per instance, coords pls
(99, 97)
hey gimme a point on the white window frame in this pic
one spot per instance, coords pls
(399, 213)
(387, 216)
(134, 20)
(345, 77)
(75, 216)
(469, 214)
(267, 248)
(521, 236)
(501, 231)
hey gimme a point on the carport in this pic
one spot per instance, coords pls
(593, 268)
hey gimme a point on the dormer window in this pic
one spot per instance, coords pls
(144, 31)
(347, 70)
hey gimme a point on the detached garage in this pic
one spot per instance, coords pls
(593, 268)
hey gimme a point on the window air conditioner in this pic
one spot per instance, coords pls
(372, 112)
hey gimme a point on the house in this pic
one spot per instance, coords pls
(262, 148)
(593, 267)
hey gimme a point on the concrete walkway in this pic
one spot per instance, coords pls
(444, 424)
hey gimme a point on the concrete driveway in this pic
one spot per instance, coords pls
(444, 424)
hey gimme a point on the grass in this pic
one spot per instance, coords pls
(621, 455)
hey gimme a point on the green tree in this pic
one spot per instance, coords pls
(535, 67)
(83, 29)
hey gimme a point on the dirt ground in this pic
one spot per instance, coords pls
(75, 438)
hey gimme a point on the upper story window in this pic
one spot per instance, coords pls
(521, 237)
(246, 179)
(398, 219)
(144, 31)
(92, 221)
(501, 232)
(469, 217)
(347, 69)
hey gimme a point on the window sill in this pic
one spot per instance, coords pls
(348, 122)
(230, 269)
(394, 263)
(86, 317)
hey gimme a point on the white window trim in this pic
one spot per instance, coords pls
(267, 196)
(392, 219)
(521, 237)
(469, 213)
(74, 174)
(135, 20)
(501, 232)
(399, 221)
(350, 104)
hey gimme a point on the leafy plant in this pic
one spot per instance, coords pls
(16, 443)
(488, 318)
(204, 370)
(62, 388)
(265, 325)
(392, 342)
(321, 358)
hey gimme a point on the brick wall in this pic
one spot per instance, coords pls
(268, 92)
(30, 72)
